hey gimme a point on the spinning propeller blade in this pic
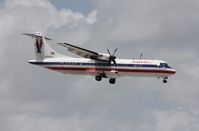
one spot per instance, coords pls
(112, 57)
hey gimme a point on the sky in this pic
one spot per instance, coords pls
(33, 98)
(83, 6)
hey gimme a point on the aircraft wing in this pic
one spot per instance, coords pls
(81, 51)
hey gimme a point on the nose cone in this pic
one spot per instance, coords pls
(173, 71)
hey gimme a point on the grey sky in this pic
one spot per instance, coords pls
(83, 6)
(32, 98)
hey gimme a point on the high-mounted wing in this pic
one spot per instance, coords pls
(81, 51)
(90, 54)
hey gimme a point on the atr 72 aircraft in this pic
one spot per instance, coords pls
(99, 65)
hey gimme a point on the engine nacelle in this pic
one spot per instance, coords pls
(104, 57)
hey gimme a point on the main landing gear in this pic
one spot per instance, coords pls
(112, 81)
(99, 78)
(164, 81)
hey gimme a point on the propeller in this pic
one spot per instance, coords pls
(112, 57)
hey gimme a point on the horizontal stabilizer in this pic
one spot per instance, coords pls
(37, 34)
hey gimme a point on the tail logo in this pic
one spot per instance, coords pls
(39, 44)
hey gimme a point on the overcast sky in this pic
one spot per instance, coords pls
(37, 99)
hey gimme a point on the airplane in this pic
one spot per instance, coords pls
(99, 65)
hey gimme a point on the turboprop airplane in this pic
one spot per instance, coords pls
(99, 65)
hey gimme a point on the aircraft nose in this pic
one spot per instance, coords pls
(173, 71)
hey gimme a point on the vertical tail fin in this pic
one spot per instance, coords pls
(42, 49)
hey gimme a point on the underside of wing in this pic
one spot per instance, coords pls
(81, 51)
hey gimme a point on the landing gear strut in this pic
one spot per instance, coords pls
(112, 81)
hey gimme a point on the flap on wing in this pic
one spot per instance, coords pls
(80, 51)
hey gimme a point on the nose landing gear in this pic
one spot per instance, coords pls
(165, 81)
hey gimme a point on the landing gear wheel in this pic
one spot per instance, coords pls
(98, 78)
(112, 81)
(164, 81)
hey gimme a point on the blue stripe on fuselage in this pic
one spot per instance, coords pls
(95, 64)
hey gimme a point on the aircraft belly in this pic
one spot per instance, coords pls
(77, 72)
(133, 74)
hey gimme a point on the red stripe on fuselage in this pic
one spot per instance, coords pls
(110, 69)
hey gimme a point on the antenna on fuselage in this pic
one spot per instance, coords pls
(141, 55)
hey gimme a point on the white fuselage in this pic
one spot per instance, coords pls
(124, 67)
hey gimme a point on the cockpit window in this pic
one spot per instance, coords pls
(161, 65)
(164, 65)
